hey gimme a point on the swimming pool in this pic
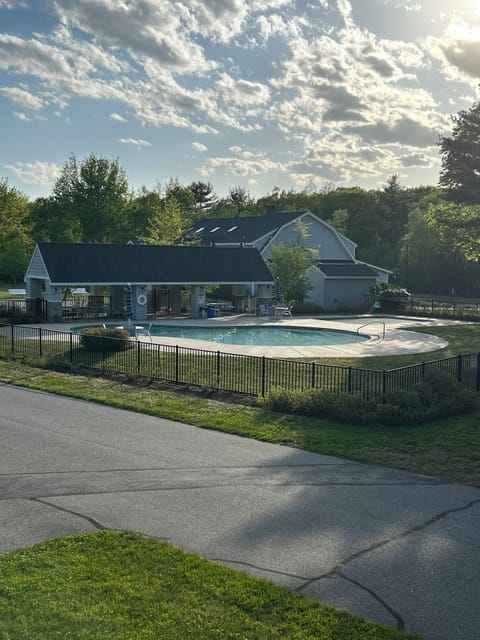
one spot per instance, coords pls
(257, 336)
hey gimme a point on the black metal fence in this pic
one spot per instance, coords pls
(252, 375)
(424, 306)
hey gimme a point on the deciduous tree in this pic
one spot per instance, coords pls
(15, 242)
(460, 172)
(290, 262)
(95, 193)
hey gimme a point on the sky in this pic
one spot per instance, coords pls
(263, 94)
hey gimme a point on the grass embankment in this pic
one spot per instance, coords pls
(119, 585)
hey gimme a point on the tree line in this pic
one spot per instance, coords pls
(428, 236)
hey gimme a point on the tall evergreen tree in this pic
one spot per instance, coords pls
(204, 197)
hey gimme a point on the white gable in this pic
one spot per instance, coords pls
(37, 268)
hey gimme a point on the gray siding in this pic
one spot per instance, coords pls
(37, 268)
(320, 237)
(346, 295)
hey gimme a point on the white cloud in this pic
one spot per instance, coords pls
(336, 99)
(242, 92)
(117, 117)
(23, 97)
(35, 173)
(136, 142)
(150, 29)
(21, 116)
(239, 167)
(264, 5)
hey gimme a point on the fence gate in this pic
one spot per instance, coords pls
(40, 309)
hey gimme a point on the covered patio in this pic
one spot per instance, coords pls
(113, 275)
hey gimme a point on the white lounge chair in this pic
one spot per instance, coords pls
(144, 332)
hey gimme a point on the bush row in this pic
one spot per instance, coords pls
(100, 339)
(436, 396)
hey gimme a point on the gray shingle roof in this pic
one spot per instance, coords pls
(69, 263)
(241, 229)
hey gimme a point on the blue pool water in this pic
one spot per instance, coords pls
(261, 336)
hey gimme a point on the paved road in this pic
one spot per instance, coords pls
(398, 548)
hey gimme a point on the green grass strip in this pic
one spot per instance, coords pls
(119, 585)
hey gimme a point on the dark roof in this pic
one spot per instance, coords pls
(69, 263)
(241, 229)
(346, 270)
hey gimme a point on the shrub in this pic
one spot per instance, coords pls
(100, 339)
(393, 299)
(435, 396)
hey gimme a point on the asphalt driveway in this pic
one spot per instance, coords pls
(398, 548)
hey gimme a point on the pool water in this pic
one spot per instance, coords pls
(262, 336)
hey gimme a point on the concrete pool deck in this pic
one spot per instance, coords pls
(397, 340)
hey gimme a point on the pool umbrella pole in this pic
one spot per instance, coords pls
(277, 290)
(129, 303)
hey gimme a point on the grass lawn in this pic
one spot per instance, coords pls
(115, 585)
(5, 286)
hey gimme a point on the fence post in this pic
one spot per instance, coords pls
(218, 369)
(12, 337)
(176, 364)
(139, 356)
(71, 346)
(40, 341)
(384, 382)
(263, 377)
(349, 380)
(313, 374)
(103, 354)
(459, 367)
(477, 380)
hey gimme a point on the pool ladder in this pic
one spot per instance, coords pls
(373, 322)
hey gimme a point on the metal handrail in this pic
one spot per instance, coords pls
(373, 322)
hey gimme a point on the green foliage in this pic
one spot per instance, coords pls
(91, 203)
(393, 299)
(203, 196)
(460, 172)
(458, 226)
(166, 224)
(15, 242)
(98, 339)
(435, 396)
(290, 262)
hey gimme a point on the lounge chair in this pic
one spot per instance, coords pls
(144, 332)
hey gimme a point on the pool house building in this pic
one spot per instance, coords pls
(145, 277)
